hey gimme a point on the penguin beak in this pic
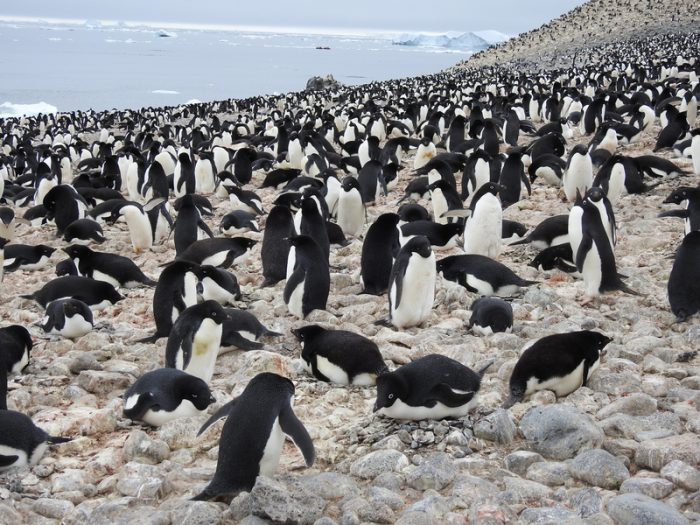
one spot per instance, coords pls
(212, 399)
(375, 408)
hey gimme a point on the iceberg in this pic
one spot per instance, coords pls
(492, 36)
(8, 109)
(166, 34)
(464, 41)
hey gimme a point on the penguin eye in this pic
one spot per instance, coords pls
(390, 396)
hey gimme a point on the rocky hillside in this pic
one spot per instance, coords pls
(570, 36)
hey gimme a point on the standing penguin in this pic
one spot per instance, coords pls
(189, 225)
(339, 356)
(308, 285)
(412, 283)
(482, 231)
(351, 210)
(684, 281)
(183, 177)
(253, 436)
(512, 175)
(64, 205)
(560, 362)
(176, 290)
(275, 249)
(166, 394)
(378, 249)
(195, 338)
(579, 172)
(432, 387)
(594, 257)
(136, 217)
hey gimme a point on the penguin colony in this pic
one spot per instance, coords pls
(243, 203)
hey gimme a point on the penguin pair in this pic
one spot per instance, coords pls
(96, 294)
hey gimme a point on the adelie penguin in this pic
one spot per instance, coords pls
(579, 172)
(339, 356)
(237, 222)
(15, 346)
(561, 363)
(308, 285)
(441, 236)
(378, 249)
(242, 330)
(96, 294)
(117, 270)
(189, 225)
(275, 248)
(684, 281)
(69, 318)
(690, 215)
(253, 436)
(176, 290)
(164, 395)
(491, 315)
(351, 208)
(482, 231)
(550, 232)
(479, 274)
(25, 257)
(84, 231)
(412, 284)
(218, 285)
(219, 251)
(432, 387)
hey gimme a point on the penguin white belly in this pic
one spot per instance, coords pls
(205, 348)
(158, 418)
(579, 177)
(364, 379)
(162, 229)
(273, 450)
(695, 154)
(99, 276)
(295, 305)
(190, 295)
(99, 306)
(216, 259)
(75, 327)
(38, 453)
(204, 178)
(32, 266)
(351, 213)
(291, 261)
(482, 234)
(616, 184)
(452, 243)
(215, 292)
(19, 365)
(592, 272)
(21, 460)
(139, 231)
(559, 239)
(439, 206)
(549, 176)
(482, 287)
(561, 386)
(400, 410)
(417, 292)
(575, 229)
(332, 371)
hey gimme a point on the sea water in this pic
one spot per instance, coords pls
(70, 66)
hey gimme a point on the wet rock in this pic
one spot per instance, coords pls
(600, 468)
(377, 462)
(519, 461)
(657, 488)
(551, 473)
(435, 472)
(637, 509)
(140, 447)
(559, 431)
(497, 426)
(682, 474)
(656, 453)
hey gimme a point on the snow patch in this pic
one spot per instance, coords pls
(165, 92)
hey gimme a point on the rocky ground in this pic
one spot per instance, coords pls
(571, 38)
(625, 449)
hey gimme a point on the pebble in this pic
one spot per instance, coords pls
(378, 462)
(497, 426)
(140, 447)
(279, 501)
(435, 472)
(599, 468)
(638, 509)
(551, 473)
(682, 474)
(519, 461)
(549, 516)
(657, 488)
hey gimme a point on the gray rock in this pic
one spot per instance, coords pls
(656, 453)
(519, 461)
(102, 383)
(377, 462)
(624, 425)
(68, 481)
(9, 515)
(196, 513)
(52, 508)
(657, 488)
(254, 520)
(430, 509)
(549, 516)
(140, 447)
(469, 490)
(389, 481)
(523, 491)
(637, 509)
(435, 472)
(180, 433)
(329, 485)
(321, 83)
(634, 405)
(559, 431)
(375, 511)
(279, 501)
(497, 426)
(682, 474)
(600, 468)
(551, 473)
(586, 501)
(616, 383)
(386, 497)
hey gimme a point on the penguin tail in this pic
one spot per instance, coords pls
(150, 339)
(524, 282)
(29, 296)
(223, 412)
(205, 495)
(56, 440)
(271, 333)
(626, 289)
(269, 281)
(484, 368)
(384, 321)
(149, 282)
(524, 240)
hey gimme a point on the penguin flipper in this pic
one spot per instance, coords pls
(223, 412)
(237, 340)
(681, 214)
(583, 248)
(6, 461)
(295, 429)
(57, 440)
(145, 402)
(203, 226)
(443, 393)
(150, 339)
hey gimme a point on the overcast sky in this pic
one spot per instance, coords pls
(508, 16)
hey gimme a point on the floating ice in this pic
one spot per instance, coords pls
(465, 41)
(8, 109)
(165, 92)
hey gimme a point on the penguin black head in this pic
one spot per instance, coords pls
(214, 311)
(306, 332)
(20, 334)
(349, 183)
(66, 267)
(580, 149)
(77, 251)
(390, 387)
(46, 250)
(492, 187)
(596, 339)
(195, 390)
(420, 245)
(681, 194)
(71, 308)
(595, 194)
(413, 212)
(247, 243)
(6, 215)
